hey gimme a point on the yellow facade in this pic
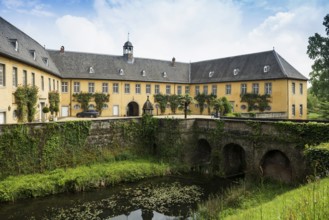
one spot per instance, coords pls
(24, 73)
(284, 99)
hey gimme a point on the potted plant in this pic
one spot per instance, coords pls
(56, 110)
(45, 110)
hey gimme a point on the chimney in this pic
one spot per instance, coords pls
(173, 61)
(62, 49)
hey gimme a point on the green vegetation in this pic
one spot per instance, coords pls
(318, 50)
(81, 178)
(100, 100)
(162, 100)
(53, 97)
(83, 98)
(26, 98)
(256, 101)
(269, 201)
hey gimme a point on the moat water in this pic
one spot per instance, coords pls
(173, 197)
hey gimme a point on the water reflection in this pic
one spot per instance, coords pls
(162, 198)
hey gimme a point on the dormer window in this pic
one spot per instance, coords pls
(266, 68)
(121, 72)
(236, 71)
(14, 43)
(164, 74)
(211, 73)
(143, 73)
(45, 60)
(33, 54)
(91, 70)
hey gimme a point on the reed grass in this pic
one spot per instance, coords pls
(269, 201)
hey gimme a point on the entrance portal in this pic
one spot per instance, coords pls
(132, 109)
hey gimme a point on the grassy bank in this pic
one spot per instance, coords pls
(270, 201)
(78, 179)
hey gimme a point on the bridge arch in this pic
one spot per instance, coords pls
(203, 154)
(234, 159)
(276, 165)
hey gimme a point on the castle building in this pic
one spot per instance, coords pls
(129, 80)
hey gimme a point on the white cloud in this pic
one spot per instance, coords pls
(190, 30)
(33, 7)
(83, 35)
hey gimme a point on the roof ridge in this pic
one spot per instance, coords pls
(276, 55)
(248, 54)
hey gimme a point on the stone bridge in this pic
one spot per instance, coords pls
(233, 147)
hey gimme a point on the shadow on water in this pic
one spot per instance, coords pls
(171, 197)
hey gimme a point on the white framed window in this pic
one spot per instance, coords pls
(15, 83)
(255, 88)
(243, 88)
(179, 90)
(33, 79)
(91, 87)
(268, 88)
(42, 83)
(205, 90)
(24, 77)
(148, 89)
(76, 107)
(300, 109)
(197, 90)
(65, 87)
(2, 75)
(14, 43)
(236, 71)
(168, 88)
(76, 87)
(211, 73)
(45, 61)
(228, 89)
(91, 107)
(49, 84)
(266, 68)
(115, 87)
(105, 87)
(293, 88)
(214, 90)
(127, 88)
(293, 110)
(301, 88)
(138, 88)
(187, 89)
(156, 89)
(105, 106)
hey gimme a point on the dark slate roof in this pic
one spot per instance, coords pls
(251, 67)
(128, 44)
(9, 33)
(77, 65)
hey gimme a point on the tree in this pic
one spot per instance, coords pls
(227, 107)
(53, 98)
(185, 102)
(209, 101)
(83, 98)
(201, 99)
(318, 50)
(162, 100)
(26, 98)
(174, 101)
(100, 100)
(256, 101)
(263, 102)
(324, 110)
(313, 103)
(218, 106)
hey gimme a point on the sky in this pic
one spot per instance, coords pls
(189, 30)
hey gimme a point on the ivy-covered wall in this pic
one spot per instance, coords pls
(34, 148)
